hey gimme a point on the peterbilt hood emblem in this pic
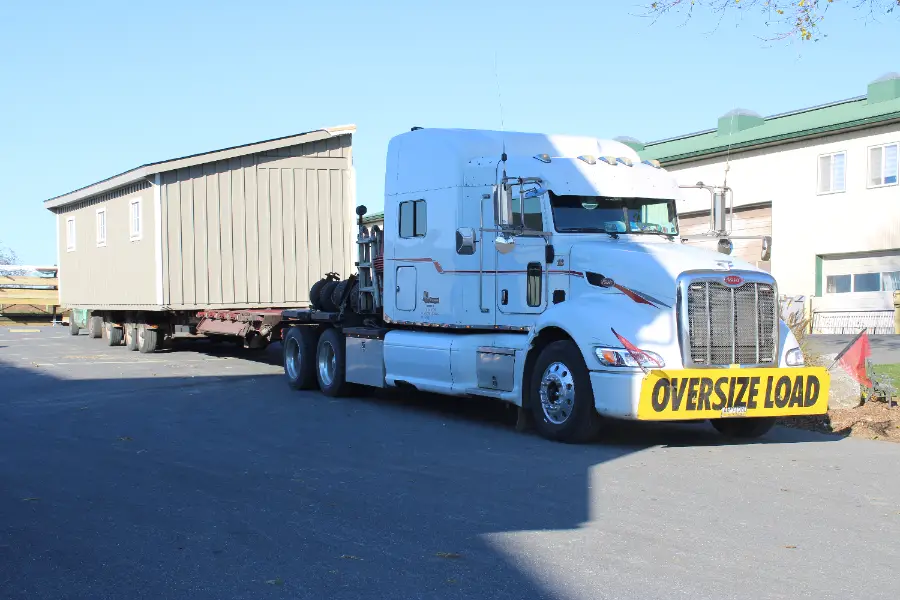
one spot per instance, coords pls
(734, 280)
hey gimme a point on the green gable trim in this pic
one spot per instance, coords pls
(857, 113)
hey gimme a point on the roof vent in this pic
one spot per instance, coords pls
(737, 120)
(633, 143)
(886, 87)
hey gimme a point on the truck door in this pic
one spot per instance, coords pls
(521, 273)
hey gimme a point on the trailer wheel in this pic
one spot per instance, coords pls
(300, 357)
(95, 327)
(325, 296)
(131, 336)
(113, 334)
(147, 339)
(73, 325)
(747, 428)
(331, 364)
(562, 398)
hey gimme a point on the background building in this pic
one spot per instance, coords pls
(823, 182)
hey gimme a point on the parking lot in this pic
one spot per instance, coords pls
(197, 473)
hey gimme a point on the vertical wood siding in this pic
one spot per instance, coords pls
(257, 230)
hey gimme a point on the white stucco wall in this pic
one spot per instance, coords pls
(804, 223)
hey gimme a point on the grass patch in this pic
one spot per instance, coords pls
(888, 374)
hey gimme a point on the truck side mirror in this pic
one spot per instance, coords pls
(766, 248)
(465, 241)
(504, 245)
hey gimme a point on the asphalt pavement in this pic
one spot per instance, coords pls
(198, 474)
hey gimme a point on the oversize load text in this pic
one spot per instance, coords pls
(718, 393)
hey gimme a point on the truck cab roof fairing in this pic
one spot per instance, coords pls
(429, 159)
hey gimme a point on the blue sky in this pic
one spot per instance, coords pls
(92, 89)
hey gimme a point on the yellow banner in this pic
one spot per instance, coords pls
(723, 393)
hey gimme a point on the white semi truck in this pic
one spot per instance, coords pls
(548, 272)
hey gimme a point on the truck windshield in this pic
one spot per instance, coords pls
(613, 215)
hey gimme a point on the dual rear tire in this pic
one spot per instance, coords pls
(315, 358)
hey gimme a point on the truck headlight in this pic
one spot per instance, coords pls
(618, 357)
(794, 358)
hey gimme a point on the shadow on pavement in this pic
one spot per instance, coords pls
(236, 487)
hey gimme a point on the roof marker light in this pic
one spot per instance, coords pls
(652, 162)
(588, 159)
(625, 161)
(544, 158)
(610, 160)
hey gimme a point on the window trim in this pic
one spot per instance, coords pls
(869, 184)
(415, 220)
(101, 242)
(819, 173)
(133, 235)
(70, 239)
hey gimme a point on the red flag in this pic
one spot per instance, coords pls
(853, 359)
(636, 353)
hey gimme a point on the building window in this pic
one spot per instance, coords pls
(135, 220)
(413, 219)
(883, 165)
(890, 281)
(863, 282)
(832, 172)
(101, 227)
(70, 234)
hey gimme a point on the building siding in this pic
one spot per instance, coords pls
(120, 274)
(258, 230)
(805, 224)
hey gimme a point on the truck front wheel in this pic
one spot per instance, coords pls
(331, 365)
(300, 357)
(562, 400)
(747, 428)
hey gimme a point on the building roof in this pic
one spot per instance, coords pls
(373, 217)
(741, 129)
(150, 169)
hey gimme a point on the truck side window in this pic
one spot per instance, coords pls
(533, 218)
(533, 284)
(413, 219)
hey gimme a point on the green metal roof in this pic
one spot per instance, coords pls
(820, 120)
(376, 216)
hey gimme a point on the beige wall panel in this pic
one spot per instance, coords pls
(213, 233)
(252, 229)
(239, 232)
(226, 241)
(201, 266)
(301, 233)
(120, 274)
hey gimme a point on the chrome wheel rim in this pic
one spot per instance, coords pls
(557, 393)
(292, 359)
(327, 364)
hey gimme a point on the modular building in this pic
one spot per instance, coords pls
(252, 226)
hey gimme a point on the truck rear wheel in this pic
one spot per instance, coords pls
(73, 326)
(147, 339)
(562, 400)
(95, 327)
(113, 334)
(746, 428)
(131, 336)
(331, 364)
(300, 357)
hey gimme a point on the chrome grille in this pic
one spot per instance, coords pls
(730, 325)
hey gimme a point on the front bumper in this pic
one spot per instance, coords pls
(690, 394)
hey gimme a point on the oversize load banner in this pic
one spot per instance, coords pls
(721, 393)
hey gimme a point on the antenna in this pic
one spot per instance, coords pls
(500, 103)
